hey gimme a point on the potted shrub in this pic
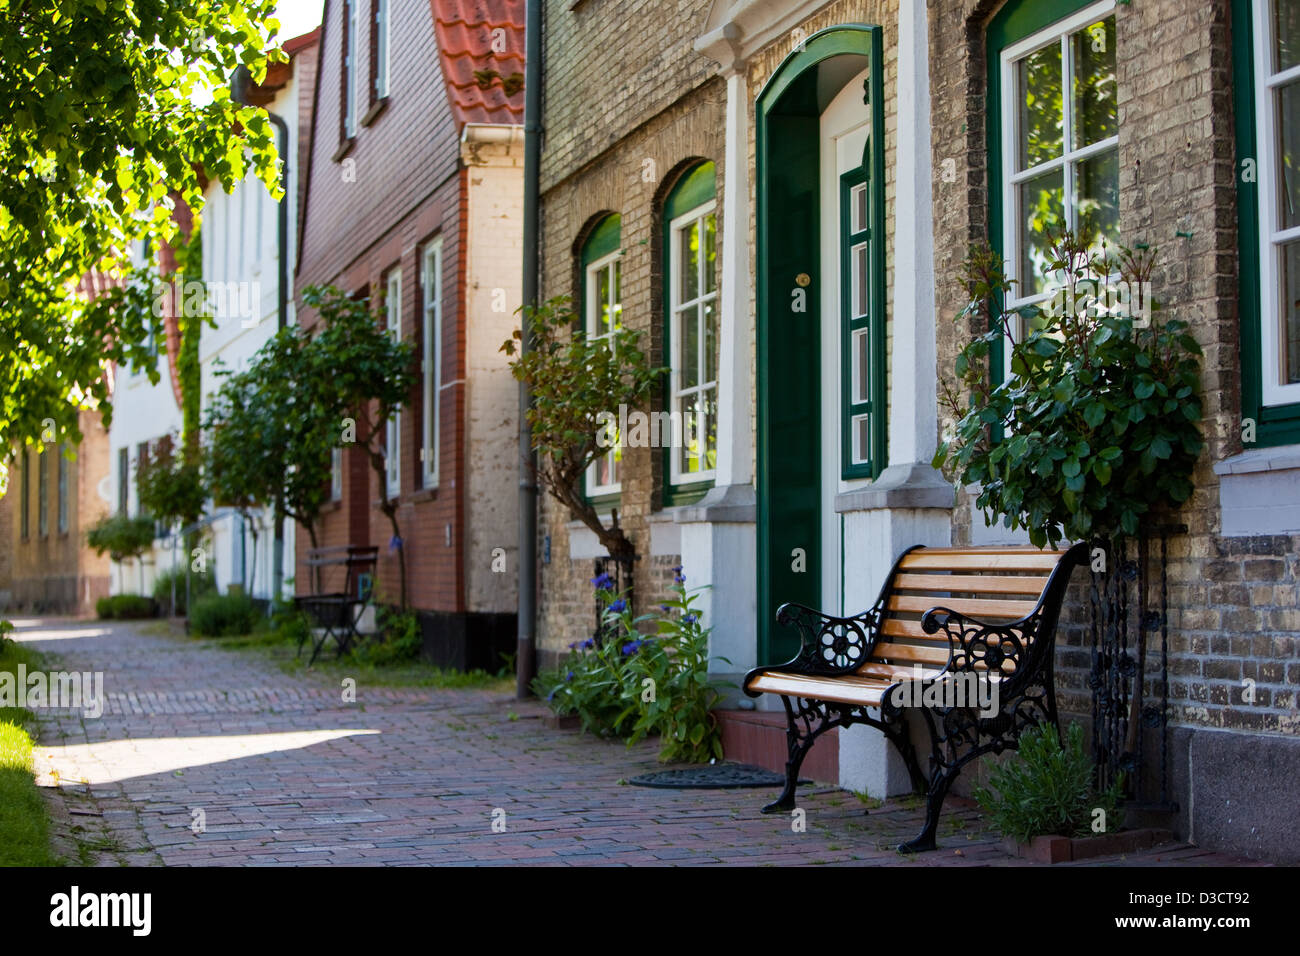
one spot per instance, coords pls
(1043, 801)
(1099, 421)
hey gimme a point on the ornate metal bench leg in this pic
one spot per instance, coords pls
(933, 805)
(798, 747)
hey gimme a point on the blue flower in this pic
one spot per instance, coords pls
(568, 676)
(551, 695)
(678, 577)
(602, 582)
(689, 619)
(618, 606)
(665, 608)
(589, 643)
(573, 645)
(395, 543)
(632, 647)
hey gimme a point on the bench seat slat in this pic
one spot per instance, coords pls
(971, 583)
(847, 689)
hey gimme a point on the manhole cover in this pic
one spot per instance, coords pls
(722, 776)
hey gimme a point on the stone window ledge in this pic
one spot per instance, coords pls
(908, 486)
(725, 504)
(1259, 491)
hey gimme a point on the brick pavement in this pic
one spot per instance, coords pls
(287, 774)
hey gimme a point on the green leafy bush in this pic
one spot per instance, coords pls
(634, 685)
(399, 639)
(1046, 788)
(120, 536)
(223, 615)
(201, 585)
(125, 607)
(1099, 421)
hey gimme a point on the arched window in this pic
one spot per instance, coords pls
(691, 335)
(602, 313)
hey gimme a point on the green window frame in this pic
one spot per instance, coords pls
(1055, 36)
(602, 313)
(691, 334)
(1266, 80)
(862, 325)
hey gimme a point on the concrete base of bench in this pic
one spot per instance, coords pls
(759, 738)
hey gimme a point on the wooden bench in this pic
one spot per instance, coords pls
(338, 614)
(950, 617)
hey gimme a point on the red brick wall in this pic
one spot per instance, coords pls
(368, 209)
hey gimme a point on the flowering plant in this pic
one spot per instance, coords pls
(634, 684)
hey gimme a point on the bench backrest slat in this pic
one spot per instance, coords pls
(998, 585)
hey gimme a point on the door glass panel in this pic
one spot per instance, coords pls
(860, 366)
(858, 208)
(1095, 114)
(1039, 80)
(861, 439)
(858, 257)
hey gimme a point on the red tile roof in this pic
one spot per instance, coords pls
(481, 45)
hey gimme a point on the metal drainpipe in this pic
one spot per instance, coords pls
(526, 658)
(239, 87)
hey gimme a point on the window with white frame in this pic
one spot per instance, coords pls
(430, 361)
(351, 21)
(693, 334)
(393, 437)
(381, 48)
(1276, 58)
(603, 308)
(1060, 145)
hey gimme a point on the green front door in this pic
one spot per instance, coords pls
(790, 350)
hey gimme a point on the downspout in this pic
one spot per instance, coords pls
(526, 656)
(239, 87)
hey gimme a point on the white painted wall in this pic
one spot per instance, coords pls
(239, 234)
(240, 253)
(493, 292)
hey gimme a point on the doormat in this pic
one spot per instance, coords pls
(721, 776)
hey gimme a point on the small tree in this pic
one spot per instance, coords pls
(366, 374)
(573, 380)
(169, 484)
(1099, 421)
(123, 538)
(271, 429)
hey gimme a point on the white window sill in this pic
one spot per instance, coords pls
(1259, 491)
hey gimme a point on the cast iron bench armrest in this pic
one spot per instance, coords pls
(830, 646)
(973, 641)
